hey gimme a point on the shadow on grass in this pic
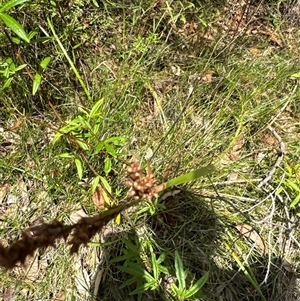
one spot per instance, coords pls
(189, 225)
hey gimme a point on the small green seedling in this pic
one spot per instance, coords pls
(180, 290)
(145, 271)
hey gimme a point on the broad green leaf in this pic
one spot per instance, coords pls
(297, 75)
(83, 145)
(9, 61)
(11, 4)
(56, 137)
(98, 147)
(36, 82)
(45, 62)
(110, 149)
(179, 270)
(80, 109)
(68, 128)
(7, 83)
(293, 185)
(197, 286)
(161, 257)
(78, 164)
(163, 269)
(191, 176)
(7, 72)
(107, 166)
(120, 141)
(97, 126)
(16, 40)
(20, 67)
(95, 183)
(15, 26)
(105, 184)
(95, 109)
(82, 122)
(123, 257)
(133, 269)
(137, 270)
(12, 67)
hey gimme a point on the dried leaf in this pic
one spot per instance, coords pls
(97, 281)
(118, 219)
(208, 76)
(255, 51)
(271, 140)
(249, 232)
(100, 198)
(16, 126)
(273, 36)
(236, 148)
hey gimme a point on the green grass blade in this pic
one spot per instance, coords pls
(248, 274)
(295, 201)
(197, 286)
(86, 91)
(191, 176)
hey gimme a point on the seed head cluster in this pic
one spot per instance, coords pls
(141, 186)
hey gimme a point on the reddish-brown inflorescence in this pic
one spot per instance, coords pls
(141, 186)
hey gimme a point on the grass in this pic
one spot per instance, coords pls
(179, 81)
